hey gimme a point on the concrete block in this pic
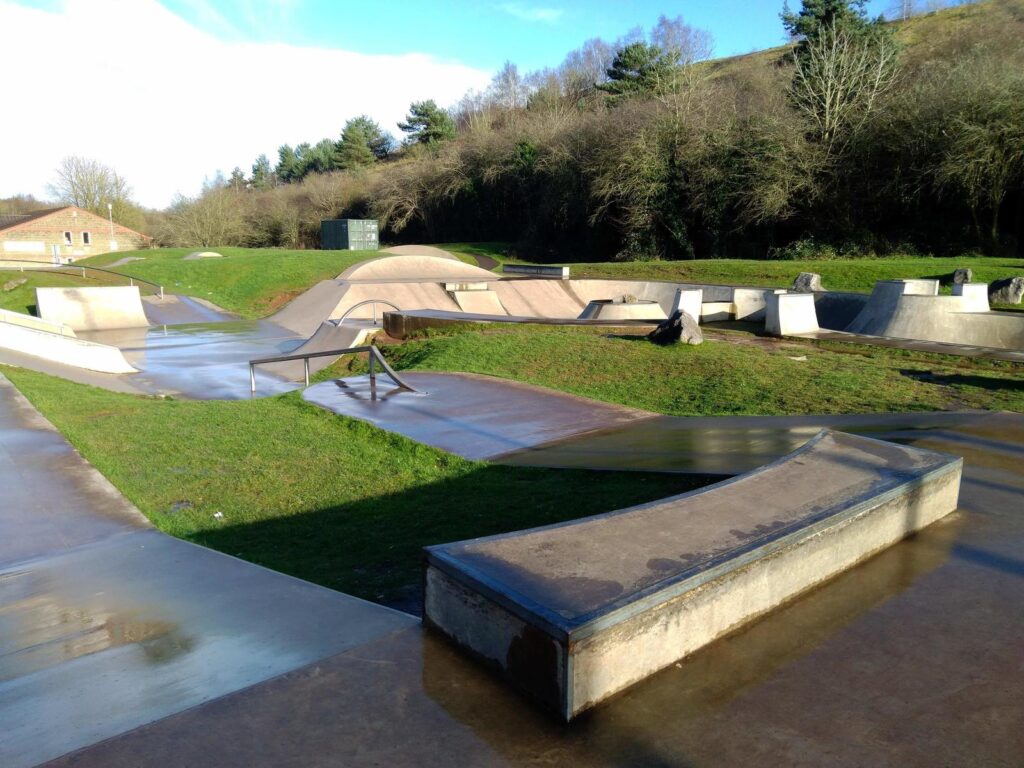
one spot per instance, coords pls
(717, 311)
(688, 300)
(790, 313)
(573, 613)
(975, 296)
(749, 303)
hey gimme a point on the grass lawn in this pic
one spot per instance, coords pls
(750, 375)
(836, 274)
(253, 282)
(305, 492)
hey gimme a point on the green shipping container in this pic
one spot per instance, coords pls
(348, 235)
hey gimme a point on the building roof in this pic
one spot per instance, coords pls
(10, 221)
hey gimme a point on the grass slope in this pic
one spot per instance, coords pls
(305, 492)
(250, 281)
(733, 373)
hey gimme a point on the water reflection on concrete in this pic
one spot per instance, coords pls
(204, 361)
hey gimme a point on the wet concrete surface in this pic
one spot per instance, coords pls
(202, 361)
(107, 624)
(477, 417)
(911, 659)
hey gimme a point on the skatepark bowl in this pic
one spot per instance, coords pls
(849, 594)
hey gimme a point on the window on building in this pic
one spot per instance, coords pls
(86, 238)
(67, 238)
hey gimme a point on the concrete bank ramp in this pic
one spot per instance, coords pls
(94, 308)
(172, 309)
(58, 343)
(573, 613)
(912, 309)
(327, 337)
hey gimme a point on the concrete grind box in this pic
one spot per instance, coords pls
(574, 613)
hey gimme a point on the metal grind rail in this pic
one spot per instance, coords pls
(374, 302)
(21, 265)
(375, 357)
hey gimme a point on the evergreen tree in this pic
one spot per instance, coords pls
(261, 173)
(287, 169)
(237, 180)
(427, 123)
(354, 148)
(641, 68)
(379, 141)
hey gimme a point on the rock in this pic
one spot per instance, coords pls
(962, 275)
(626, 298)
(680, 327)
(10, 285)
(807, 282)
(1009, 290)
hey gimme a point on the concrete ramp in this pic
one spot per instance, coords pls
(910, 309)
(58, 344)
(328, 336)
(92, 309)
(416, 267)
(479, 302)
(304, 313)
(538, 298)
(172, 309)
(574, 613)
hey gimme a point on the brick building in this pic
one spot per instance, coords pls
(63, 235)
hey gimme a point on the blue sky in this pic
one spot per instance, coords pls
(169, 92)
(533, 34)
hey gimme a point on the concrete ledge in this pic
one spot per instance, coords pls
(573, 613)
(609, 309)
(61, 348)
(534, 269)
(789, 314)
(29, 321)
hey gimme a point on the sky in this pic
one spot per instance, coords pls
(169, 93)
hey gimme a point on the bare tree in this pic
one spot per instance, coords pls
(90, 185)
(508, 88)
(838, 83)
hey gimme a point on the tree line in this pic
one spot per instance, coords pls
(859, 137)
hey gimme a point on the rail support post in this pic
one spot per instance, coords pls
(305, 369)
(252, 378)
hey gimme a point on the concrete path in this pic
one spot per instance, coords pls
(478, 417)
(107, 624)
(906, 660)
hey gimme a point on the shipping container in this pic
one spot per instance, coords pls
(348, 235)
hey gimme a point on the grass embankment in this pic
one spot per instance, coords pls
(836, 274)
(253, 282)
(746, 375)
(325, 498)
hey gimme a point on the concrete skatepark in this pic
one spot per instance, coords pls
(759, 692)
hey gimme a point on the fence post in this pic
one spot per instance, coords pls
(305, 365)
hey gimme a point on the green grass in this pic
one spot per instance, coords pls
(253, 282)
(500, 252)
(732, 373)
(836, 274)
(325, 498)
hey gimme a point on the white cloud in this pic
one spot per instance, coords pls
(138, 88)
(532, 13)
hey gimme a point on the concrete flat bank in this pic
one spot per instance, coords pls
(576, 612)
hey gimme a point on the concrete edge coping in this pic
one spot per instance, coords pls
(642, 600)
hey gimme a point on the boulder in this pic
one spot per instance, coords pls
(1009, 290)
(10, 285)
(962, 275)
(807, 282)
(680, 327)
